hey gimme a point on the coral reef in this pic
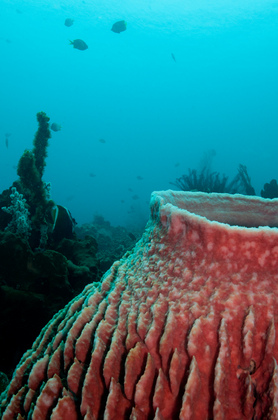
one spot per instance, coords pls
(270, 189)
(34, 275)
(207, 181)
(113, 241)
(48, 223)
(40, 282)
(41, 142)
(44, 280)
(244, 181)
(204, 181)
(31, 187)
(30, 171)
(20, 222)
(42, 262)
(176, 329)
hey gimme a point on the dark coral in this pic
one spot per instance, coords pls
(82, 262)
(41, 142)
(243, 181)
(270, 189)
(30, 184)
(113, 241)
(207, 181)
(35, 285)
(204, 181)
(30, 171)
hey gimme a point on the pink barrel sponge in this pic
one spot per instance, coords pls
(182, 327)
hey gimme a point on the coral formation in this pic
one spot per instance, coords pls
(204, 181)
(31, 187)
(207, 181)
(245, 181)
(41, 142)
(45, 230)
(112, 241)
(30, 171)
(20, 222)
(270, 189)
(43, 264)
(44, 281)
(39, 282)
(34, 273)
(176, 329)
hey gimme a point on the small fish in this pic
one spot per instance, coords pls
(135, 197)
(139, 178)
(122, 201)
(119, 27)
(7, 135)
(173, 57)
(177, 164)
(102, 141)
(55, 127)
(130, 189)
(79, 44)
(92, 175)
(68, 22)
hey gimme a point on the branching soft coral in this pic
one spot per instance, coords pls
(207, 181)
(20, 222)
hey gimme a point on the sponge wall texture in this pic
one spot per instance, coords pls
(182, 327)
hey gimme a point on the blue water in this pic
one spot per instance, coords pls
(158, 116)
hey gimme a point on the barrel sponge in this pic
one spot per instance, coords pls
(182, 327)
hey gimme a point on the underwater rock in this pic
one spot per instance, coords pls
(182, 327)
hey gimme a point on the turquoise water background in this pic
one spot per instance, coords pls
(158, 117)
